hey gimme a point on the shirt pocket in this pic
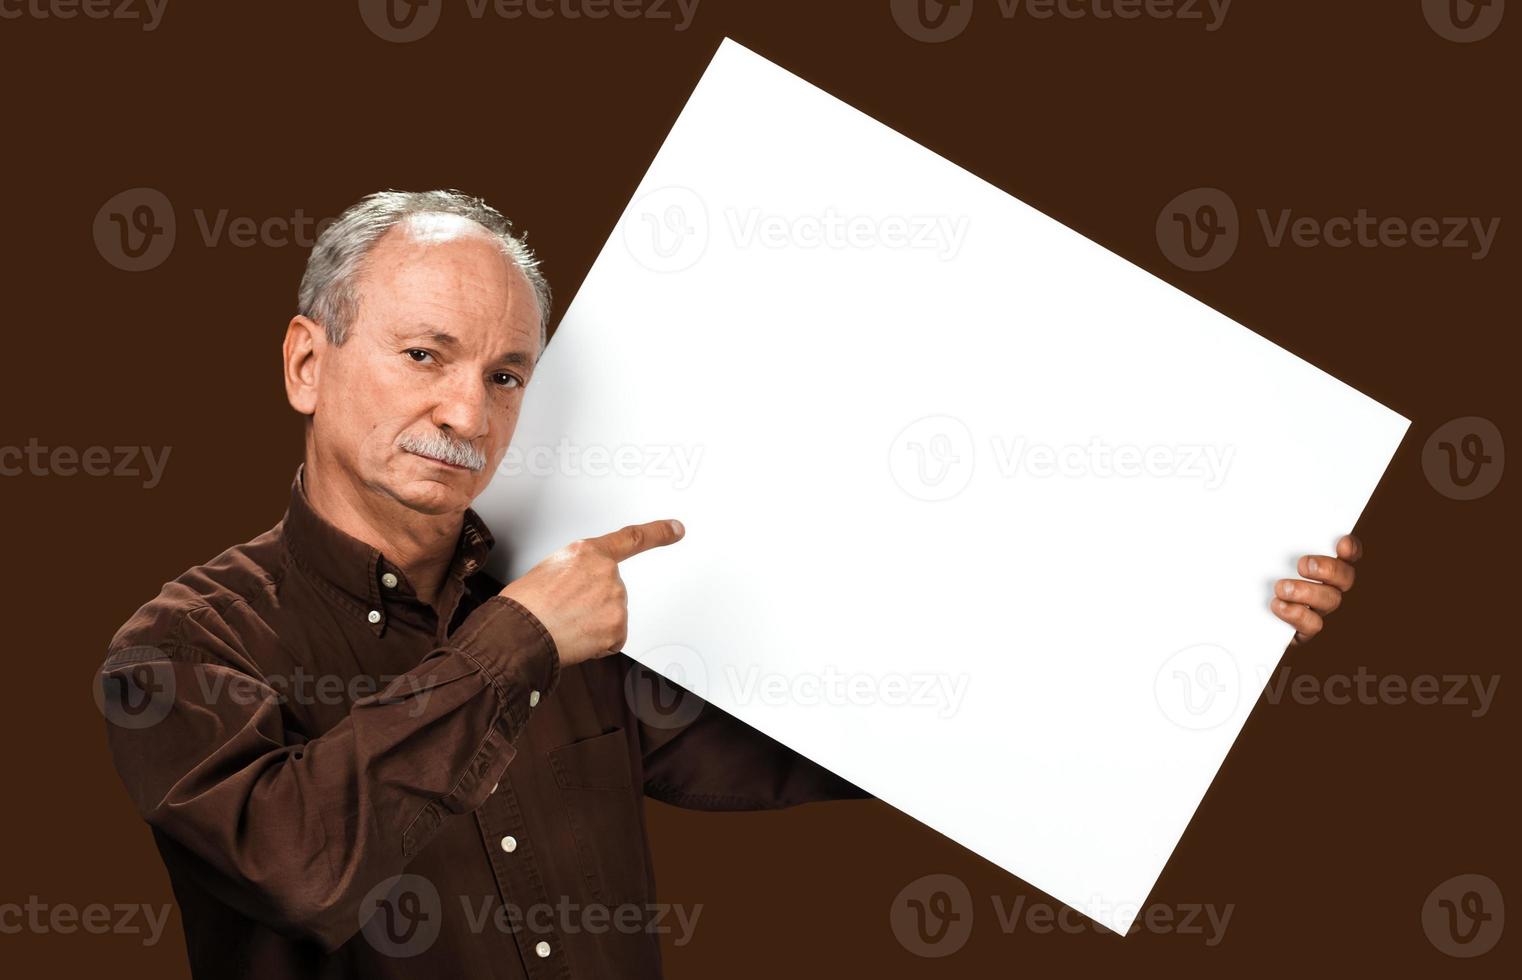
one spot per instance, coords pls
(605, 814)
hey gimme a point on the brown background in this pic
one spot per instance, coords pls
(1328, 826)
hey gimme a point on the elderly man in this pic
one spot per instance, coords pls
(359, 755)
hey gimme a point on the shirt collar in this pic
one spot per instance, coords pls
(363, 580)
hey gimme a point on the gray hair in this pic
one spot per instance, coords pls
(329, 292)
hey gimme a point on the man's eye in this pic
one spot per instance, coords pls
(418, 355)
(505, 380)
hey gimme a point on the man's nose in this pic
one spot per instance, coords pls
(461, 406)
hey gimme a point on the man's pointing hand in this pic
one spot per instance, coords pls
(578, 594)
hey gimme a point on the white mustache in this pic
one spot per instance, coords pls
(443, 448)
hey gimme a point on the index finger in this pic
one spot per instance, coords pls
(629, 541)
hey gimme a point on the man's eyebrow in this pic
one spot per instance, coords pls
(444, 338)
(424, 332)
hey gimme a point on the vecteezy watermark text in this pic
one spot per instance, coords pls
(35, 459)
(569, 918)
(935, 21)
(941, 234)
(676, 464)
(97, 919)
(1473, 691)
(149, 12)
(1207, 464)
(404, 21)
(834, 687)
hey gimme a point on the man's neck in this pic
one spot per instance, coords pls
(422, 545)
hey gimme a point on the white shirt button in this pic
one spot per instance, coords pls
(543, 949)
(509, 844)
(533, 699)
(374, 616)
(388, 580)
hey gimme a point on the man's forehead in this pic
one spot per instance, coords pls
(475, 265)
(417, 264)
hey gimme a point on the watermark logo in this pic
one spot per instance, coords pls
(932, 916)
(136, 695)
(1199, 687)
(1198, 230)
(1464, 21)
(402, 916)
(1464, 916)
(932, 21)
(1463, 458)
(667, 229)
(400, 21)
(933, 458)
(664, 703)
(134, 230)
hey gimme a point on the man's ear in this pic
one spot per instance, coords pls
(305, 344)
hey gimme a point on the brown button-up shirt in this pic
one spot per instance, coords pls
(345, 780)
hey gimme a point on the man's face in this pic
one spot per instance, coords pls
(446, 337)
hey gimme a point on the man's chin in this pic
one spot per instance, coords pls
(434, 488)
(430, 496)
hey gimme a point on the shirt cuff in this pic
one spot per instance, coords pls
(516, 653)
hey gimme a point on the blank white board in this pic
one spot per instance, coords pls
(980, 515)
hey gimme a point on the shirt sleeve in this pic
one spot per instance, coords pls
(296, 831)
(701, 757)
